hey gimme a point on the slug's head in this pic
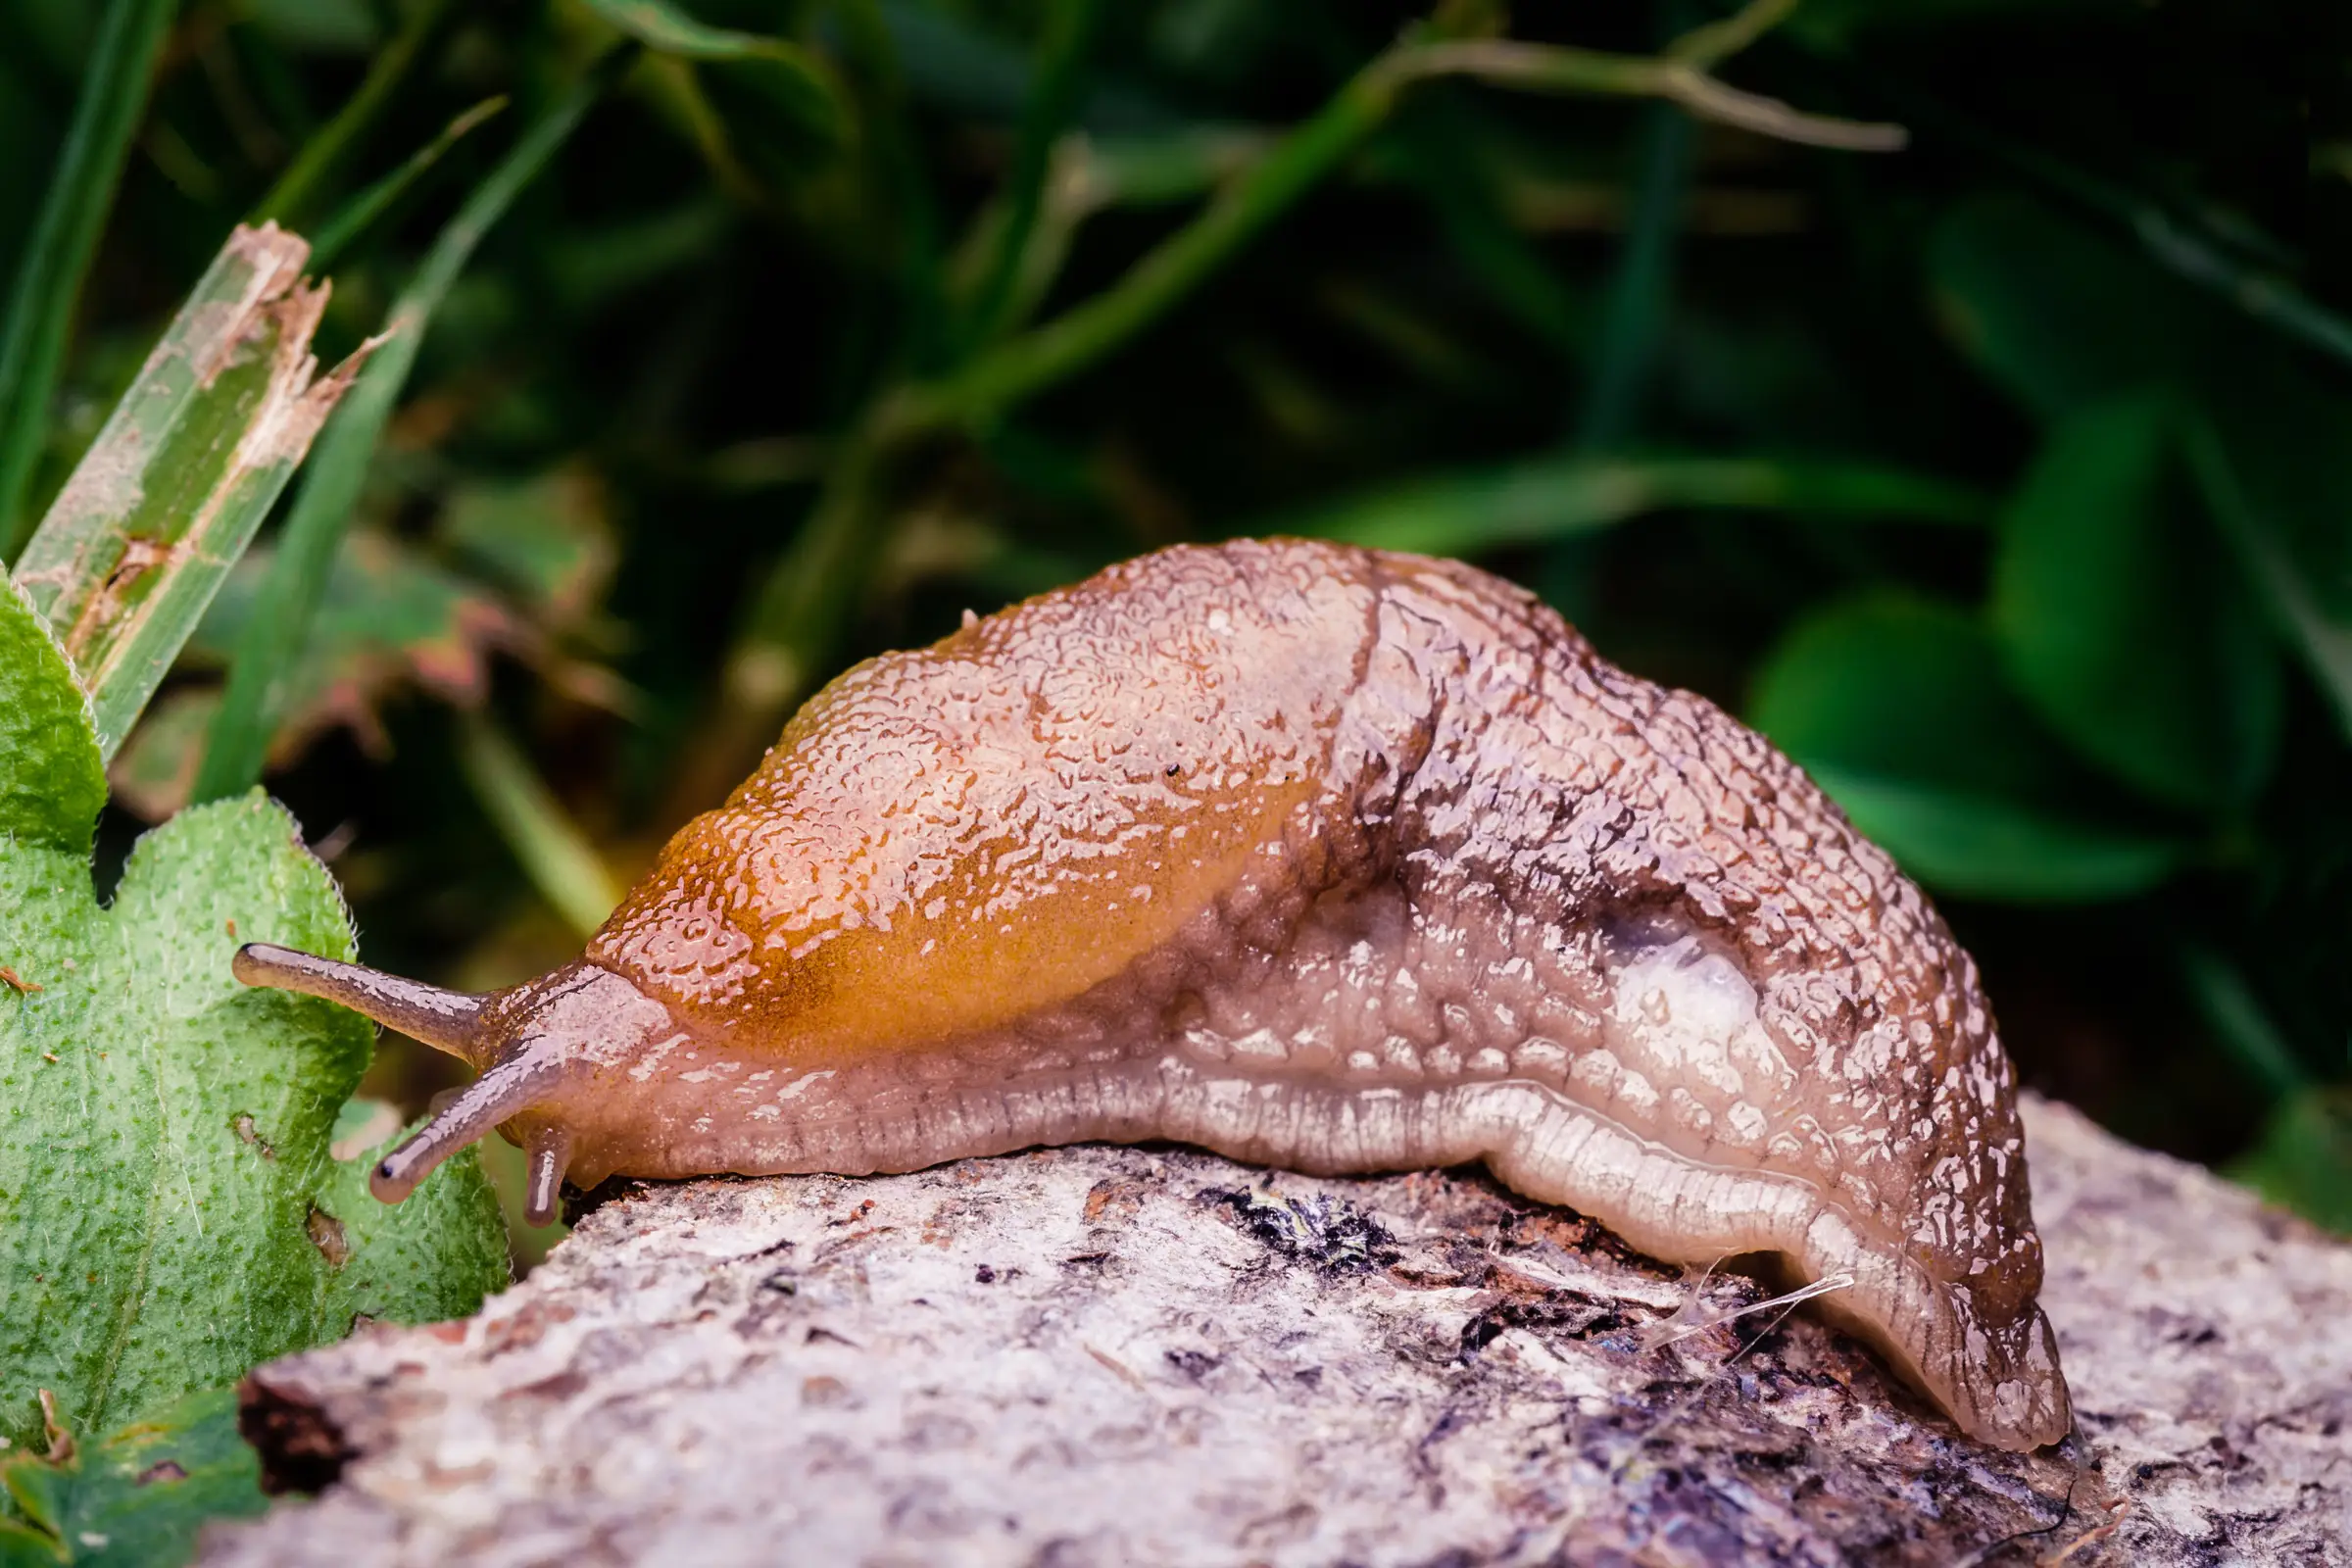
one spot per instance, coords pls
(536, 1047)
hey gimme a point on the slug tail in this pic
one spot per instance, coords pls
(449, 1021)
(525, 1074)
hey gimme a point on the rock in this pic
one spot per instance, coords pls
(1151, 1356)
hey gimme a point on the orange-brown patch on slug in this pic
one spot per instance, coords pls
(913, 823)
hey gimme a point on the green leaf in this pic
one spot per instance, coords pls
(2061, 318)
(52, 780)
(190, 460)
(432, 1256)
(1899, 709)
(170, 1211)
(1982, 846)
(1557, 498)
(2053, 312)
(2120, 616)
(135, 1498)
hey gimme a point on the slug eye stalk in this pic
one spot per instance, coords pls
(532, 1044)
(525, 1072)
(449, 1021)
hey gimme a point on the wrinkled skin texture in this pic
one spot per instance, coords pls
(1333, 860)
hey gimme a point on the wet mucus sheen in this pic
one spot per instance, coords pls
(1317, 856)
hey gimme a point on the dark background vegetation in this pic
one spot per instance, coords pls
(2004, 479)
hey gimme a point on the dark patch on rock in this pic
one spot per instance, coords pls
(301, 1448)
(1326, 1233)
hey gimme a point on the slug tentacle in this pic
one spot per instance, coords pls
(449, 1021)
(574, 1036)
(525, 1073)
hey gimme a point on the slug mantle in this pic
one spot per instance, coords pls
(1320, 857)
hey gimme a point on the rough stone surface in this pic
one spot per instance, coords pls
(1123, 1355)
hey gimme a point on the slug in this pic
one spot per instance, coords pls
(1317, 856)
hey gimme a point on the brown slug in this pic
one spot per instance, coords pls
(1317, 856)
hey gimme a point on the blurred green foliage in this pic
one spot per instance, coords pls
(134, 1498)
(2005, 479)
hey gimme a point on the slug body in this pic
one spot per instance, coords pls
(1317, 856)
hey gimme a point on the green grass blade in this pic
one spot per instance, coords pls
(182, 473)
(1440, 156)
(363, 209)
(325, 155)
(666, 30)
(40, 312)
(1640, 302)
(553, 853)
(1070, 31)
(798, 78)
(2234, 1012)
(275, 636)
(1561, 498)
(1020, 367)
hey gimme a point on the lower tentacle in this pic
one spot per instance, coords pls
(550, 1149)
(527, 1072)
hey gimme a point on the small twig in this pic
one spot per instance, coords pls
(1546, 67)
(1710, 99)
(2117, 1512)
(1117, 1368)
